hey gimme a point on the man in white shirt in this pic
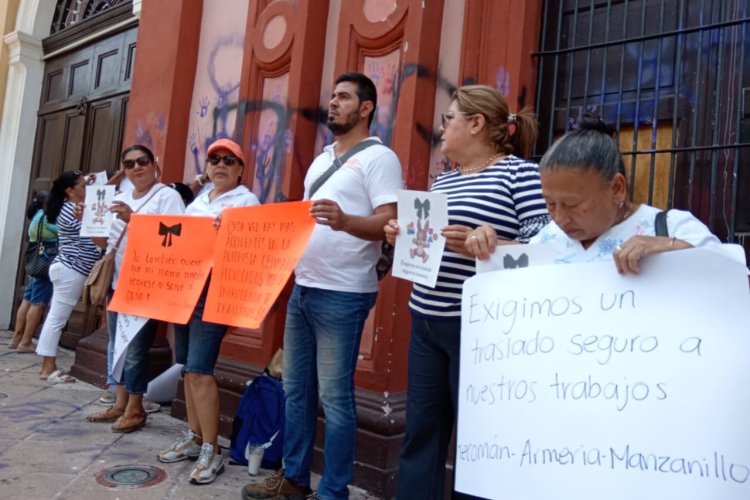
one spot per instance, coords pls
(336, 286)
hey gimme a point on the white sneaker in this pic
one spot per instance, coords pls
(150, 406)
(208, 466)
(185, 448)
(107, 398)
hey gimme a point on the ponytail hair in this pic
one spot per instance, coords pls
(488, 102)
(57, 196)
(37, 203)
(592, 146)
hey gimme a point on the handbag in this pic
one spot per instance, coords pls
(386, 249)
(39, 255)
(99, 281)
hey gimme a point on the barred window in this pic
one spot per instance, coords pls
(672, 76)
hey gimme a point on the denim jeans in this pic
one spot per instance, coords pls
(135, 370)
(431, 408)
(197, 344)
(38, 291)
(321, 346)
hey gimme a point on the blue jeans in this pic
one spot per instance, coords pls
(135, 370)
(321, 345)
(431, 408)
(197, 344)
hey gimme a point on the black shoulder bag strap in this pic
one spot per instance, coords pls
(660, 224)
(337, 162)
(39, 229)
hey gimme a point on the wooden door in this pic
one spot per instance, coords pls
(80, 126)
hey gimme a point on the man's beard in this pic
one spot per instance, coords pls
(343, 128)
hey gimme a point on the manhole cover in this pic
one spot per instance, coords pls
(131, 476)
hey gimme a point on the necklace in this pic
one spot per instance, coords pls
(486, 164)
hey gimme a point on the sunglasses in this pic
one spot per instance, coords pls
(228, 160)
(141, 160)
(446, 118)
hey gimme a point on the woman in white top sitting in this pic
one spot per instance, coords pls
(197, 343)
(593, 219)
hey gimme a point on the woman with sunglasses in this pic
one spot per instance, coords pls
(197, 343)
(75, 258)
(148, 196)
(490, 185)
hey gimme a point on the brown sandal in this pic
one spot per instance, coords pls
(129, 423)
(109, 415)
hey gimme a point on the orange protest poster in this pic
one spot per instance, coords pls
(256, 251)
(167, 260)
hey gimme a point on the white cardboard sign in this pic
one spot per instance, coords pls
(97, 219)
(419, 245)
(128, 327)
(517, 256)
(577, 383)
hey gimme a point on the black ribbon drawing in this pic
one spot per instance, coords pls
(422, 206)
(100, 194)
(167, 232)
(510, 263)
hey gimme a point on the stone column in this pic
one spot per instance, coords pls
(24, 86)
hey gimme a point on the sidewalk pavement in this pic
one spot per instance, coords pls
(49, 451)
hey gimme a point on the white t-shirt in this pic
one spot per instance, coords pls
(336, 260)
(680, 224)
(167, 202)
(240, 196)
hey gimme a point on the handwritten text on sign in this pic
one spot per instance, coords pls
(256, 251)
(578, 383)
(167, 261)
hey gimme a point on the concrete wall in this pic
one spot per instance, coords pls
(8, 11)
(213, 109)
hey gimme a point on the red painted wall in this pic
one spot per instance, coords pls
(162, 88)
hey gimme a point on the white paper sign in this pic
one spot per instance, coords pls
(99, 178)
(97, 219)
(419, 245)
(517, 256)
(128, 327)
(577, 383)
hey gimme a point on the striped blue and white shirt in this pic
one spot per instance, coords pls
(73, 251)
(506, 196)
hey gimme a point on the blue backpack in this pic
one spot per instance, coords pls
(260, 416)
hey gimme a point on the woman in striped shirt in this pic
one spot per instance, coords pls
(490, 186)
(75, 258)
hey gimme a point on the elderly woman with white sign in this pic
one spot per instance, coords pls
(584, 186)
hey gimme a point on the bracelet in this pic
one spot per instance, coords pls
(671, 243)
